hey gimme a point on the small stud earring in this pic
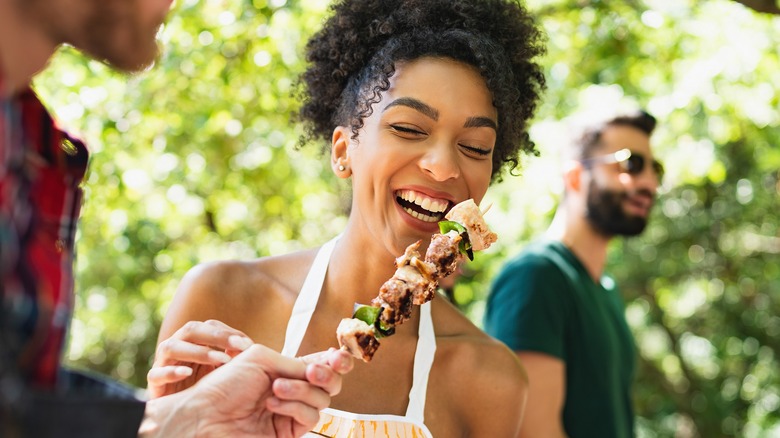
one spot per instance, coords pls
(342, 168)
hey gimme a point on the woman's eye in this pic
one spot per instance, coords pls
(406, 130)
(476, 150)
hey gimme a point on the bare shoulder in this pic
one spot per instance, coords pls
(240, 293)
(465, 349)
(481, 375)
(236, 279)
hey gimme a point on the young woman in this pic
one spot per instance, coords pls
(424, 103)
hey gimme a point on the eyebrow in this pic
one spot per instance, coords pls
(429, 111)
(415, 104)
(480, 122)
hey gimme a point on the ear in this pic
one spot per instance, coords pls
(339, 152)
(572, 176)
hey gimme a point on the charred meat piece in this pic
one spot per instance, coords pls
(422, 296)
(414, 279)
(420, 287)
(409, 253)
(357, 338)
(412, 257)
(427, 270)
(395, 298)
(443, 253)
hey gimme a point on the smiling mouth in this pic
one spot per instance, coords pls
(420, 206)
(642, 206)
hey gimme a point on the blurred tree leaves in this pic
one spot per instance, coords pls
(194, 160)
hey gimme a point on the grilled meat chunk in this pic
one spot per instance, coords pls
(443, 253)
(467, 213)
(357, 338)
(395, 298)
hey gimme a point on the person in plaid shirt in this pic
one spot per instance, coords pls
(41, 170)
(44, 166)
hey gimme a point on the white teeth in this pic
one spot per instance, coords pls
(422, 217)
(430, 204)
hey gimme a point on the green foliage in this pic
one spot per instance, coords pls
(195, 161)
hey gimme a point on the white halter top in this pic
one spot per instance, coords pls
(335, 423)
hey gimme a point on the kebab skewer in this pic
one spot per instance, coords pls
(415, 280)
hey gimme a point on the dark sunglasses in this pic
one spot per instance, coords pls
(630, 162)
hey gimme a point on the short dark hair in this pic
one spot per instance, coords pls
(353, 57)
(590, 139)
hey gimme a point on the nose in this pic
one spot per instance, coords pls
(648, 180)
(441, 162)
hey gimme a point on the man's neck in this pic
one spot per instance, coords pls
(25, 48)
(589, 246)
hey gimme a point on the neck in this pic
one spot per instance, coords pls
(589, 246)
(374, 267)
(25, 47)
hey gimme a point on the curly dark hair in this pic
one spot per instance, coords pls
(354, 55)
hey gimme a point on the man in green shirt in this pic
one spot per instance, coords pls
(553, 304)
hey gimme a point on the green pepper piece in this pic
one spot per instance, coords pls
(382, 330)
(367, 314)
(370, 315)
(465, 244)
(465, 248)
(447, 226)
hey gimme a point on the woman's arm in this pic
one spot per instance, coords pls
(499, 393)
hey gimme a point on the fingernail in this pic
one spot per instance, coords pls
(282, 385)
(183, 371)
(219, 356)
(320, 373)
(239, 342)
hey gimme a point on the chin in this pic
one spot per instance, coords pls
(132, 63)
(127, 50)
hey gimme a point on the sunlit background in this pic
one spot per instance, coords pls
(195, 160)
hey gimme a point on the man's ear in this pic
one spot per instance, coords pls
(339, 152)
(572, 176)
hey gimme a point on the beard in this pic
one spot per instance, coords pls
(115, 32)
(605, 212)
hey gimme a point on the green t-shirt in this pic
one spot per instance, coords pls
(544, 300)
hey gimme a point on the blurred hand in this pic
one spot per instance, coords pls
(195, 350)
(259, 393)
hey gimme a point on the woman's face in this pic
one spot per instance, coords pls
(427, 146)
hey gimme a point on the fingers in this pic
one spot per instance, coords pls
(324, 377)
(326, 368)
(272, 362)
(294, 379)
(169, 374)
(301, 391)
(214, 333)
(176, 350)
(158, 379)
(341, 361)
(338, 360)
(302, 416)
(209, 343)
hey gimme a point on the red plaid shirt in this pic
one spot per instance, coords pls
(41, 169)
